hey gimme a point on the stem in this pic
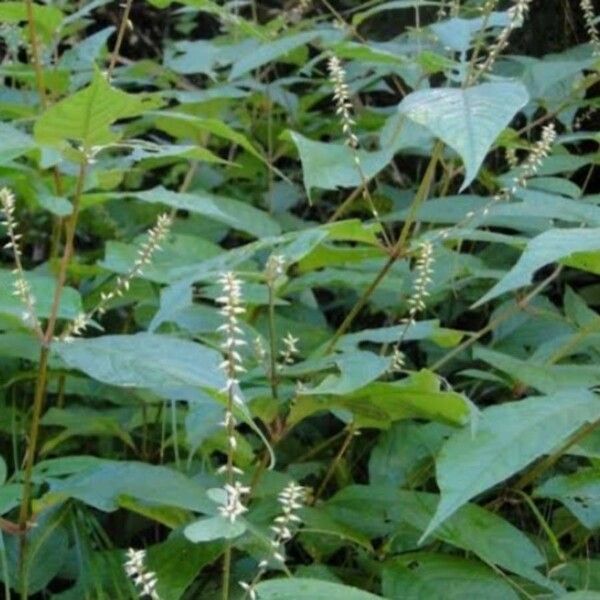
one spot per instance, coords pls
(25, 509)
(498, 320)
(549, 461)
(397, 251)
(120, 35)
(226, 570)
(35, 54)
(67, 254)
(273, 343)
(544, 525)
(335, 462)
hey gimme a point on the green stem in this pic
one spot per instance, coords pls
(25, 509)
(397, 251)
(273, 342)
(334, 463)
(551, 459)
(71, 226)
(120, 35)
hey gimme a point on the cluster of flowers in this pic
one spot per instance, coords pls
(21, 288)
(291, 499)
(144, 580)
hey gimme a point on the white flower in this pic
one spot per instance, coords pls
(143, 579)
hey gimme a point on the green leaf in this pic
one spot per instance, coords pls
(14, 142)
(468, 120)
(458, 34)
(214, 528)
(47, 18)
(178, 562)
(379, 404)
(236, 214)
(331, 166)
(47, 545)
(543, 377)
(144, 360)
(42, 287)
(441, 577)
(546, 248)
(579, 492)
(86, 116)
(270, 51)
(508, 438)
(296, 588)
(101, 486)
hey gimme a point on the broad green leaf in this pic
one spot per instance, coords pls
(403, 450)
(42, 287)
(48, 546)
(381, 510)
(508, 438)
(86, 116)
(468, 120)
(101, 486)
(379, 404)
(78, 421)
(47, 18)
(236, 214)
(415, 576)
(176, 253)
(331, 166)
(270, 51)
(458, 34)
(178, 563)
(14, 142)
(192, 126)
(543, 377)
(209, 529)
(144, 360)
(357, 369)
(297, 588)
(546, 248)
(579, 492)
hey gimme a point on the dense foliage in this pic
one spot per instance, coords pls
(299, 301)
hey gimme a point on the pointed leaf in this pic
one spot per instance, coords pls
(508, 438)
(468, 120)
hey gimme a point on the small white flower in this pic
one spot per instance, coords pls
(290, 349)
(144, 580)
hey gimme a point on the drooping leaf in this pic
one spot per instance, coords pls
(508, 438)
(236, 214)
(544, 249)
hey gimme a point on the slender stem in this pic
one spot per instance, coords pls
(362, 301)
(334, 463)
(498, 320)
(120, 35)
(543, 524)
(35, 54)
(397, 251)
(25, 509)
(551, 459)
(71, 226)
(273, 343)
(226, 571)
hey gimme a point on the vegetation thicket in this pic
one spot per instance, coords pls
(299, 300)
